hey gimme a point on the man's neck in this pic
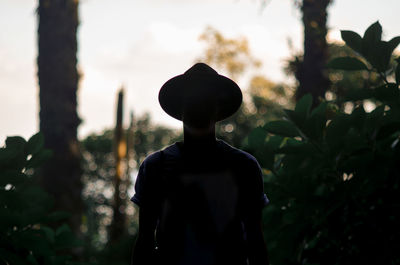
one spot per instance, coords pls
(199, 138)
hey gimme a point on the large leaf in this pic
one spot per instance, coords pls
(337, 129)
(57, 216)
(315, 124)
(303, 107)
(49, 232)
(388, 129)
(347, 63)
(266, 158)
(283, 128)
(15, 142)
(13, 177)
(35, 143)
(358, 118)
(297, 147)
(294, 117)
(387, 48)
(387, 93)
(359, 94)
(38, 158)
(375, 118)
(371, 44)
(257, 138)
(274, 142)
(352, 39)
(16, 156)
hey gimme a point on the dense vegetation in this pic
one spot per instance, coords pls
(331, 173)
(30, 232)
(333, 177)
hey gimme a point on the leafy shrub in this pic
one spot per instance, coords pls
(333, 177)
(27, 233)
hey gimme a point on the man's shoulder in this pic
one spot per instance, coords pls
(237, 154)
(156, 157)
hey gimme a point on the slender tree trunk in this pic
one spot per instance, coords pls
(118, 223)
(311, 73)
(58, 81)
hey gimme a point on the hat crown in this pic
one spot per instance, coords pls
(200, 69)
(200, 83)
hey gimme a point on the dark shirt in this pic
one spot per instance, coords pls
(201, 197)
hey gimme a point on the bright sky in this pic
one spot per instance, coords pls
(143, 43)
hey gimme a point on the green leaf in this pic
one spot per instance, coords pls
(274, 142)
(337, 129)
(57, 216)
(13, 177)
(16, 156)
(293, 146)
(388, 129)
(320, 110)
(303, 107)
(393, 43)
(35, 143)
(63, 229)
(371, 45)
(358, 117)
(352, 39)
(293, 116)
(49, 232)
(283, 128)
(65, 238)
(372, 35)
(315, 124)
(31, 258)
(359, 94)
(374, 118)
(266, 158)
(38, 158)
(15, 142)
(347, 63)
(387, 93)
(387, 48)
(257, 138)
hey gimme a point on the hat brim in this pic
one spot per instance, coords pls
(177, 93)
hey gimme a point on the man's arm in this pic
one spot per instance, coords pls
(144, 249)
(256, 248)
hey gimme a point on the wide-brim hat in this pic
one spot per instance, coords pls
(200, 84)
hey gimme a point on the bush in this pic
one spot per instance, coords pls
(27, 224)
(333, 177)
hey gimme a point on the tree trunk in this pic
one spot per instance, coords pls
(117, 228)
(311, 73)
(58, 81)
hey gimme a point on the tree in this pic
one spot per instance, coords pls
(98, 178)
(263, 99)
(311, 67)
(29, 233)
(333, 177)
(58, 81)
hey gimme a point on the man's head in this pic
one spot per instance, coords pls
(200, 96)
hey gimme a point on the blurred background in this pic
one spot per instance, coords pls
(86, 74)
(142, 44)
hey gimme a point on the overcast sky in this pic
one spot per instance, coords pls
(143, 43)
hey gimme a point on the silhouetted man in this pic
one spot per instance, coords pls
(200, 200)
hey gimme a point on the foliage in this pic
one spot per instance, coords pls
(231, 55)
(332, 177)
(263, 99)
(28, 231)
(99, 171)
